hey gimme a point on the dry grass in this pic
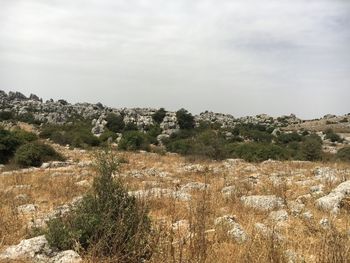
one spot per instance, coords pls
(197, 240)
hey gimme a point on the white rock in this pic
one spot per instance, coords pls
(279, 216)
(331, 202)
(235, 231)
(263, 202)
(228, 191)
(27, 249)
(324, 223)
(194, 186)
(307, 215)
(68, 256)
(27, 209)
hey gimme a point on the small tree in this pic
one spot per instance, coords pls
(343, 154)
(115, 123)
(107, 222)
(185, 119)
(134, 140)
(159, 115)
(35, 153)
(311, 149)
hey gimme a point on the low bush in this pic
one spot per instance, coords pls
(106, 135)
(11, 140)
(257, 152)
(134, 140)
(77, 135)
(107, 222)
(8, 145)
(311, 149)
(34, 154)
(343, 154)
(332, 136)
(115, 123)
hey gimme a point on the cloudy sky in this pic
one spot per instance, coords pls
(242, 57)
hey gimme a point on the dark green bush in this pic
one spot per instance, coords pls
(6, 115)
(185, 119)
(130, 126)
(311, 149)
(8, 145)
(34, 154)
(285, 138)
(257, 152)
(106, 135)
(343, 154)
(77, 135)
(134, 140)
(159, 115)
(107, 222)
(153, 132)
(332, 136)
(115, 123)
(25, 136)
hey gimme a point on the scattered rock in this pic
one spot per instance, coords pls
(228, 191)
(68, 256)
(331, 202)
(27, 209)
(27, 249)
(263, 202)
(278, 216)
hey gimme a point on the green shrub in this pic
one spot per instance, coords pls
(159, 115)
(77, 135)
(130, 126)
(285, 138)
(343, 154)
(25, 136)
(257, 152)
(332, 136)
(108, 134)
(34, 154)
(8, 145)
(115, 123)
(6, 115)
(185, 119)
(134, 140)
(311, 149)
(153, 132)
(107, 222)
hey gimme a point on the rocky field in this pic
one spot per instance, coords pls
(204, 211)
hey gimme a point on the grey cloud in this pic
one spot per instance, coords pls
(241, 57)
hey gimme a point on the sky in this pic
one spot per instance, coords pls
(242, 57)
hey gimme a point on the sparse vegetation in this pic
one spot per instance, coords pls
(107, 222)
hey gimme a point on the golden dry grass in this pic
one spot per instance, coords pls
(198, 241)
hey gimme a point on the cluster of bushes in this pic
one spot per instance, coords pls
(252, 142)
(332, 136)
(107, 222)
(24, 149)
(76, 135)
(24, 117)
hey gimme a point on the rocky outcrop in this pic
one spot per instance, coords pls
(60, 112)
(37, 249)
(331, 202)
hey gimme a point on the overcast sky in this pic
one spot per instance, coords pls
(242, 57)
